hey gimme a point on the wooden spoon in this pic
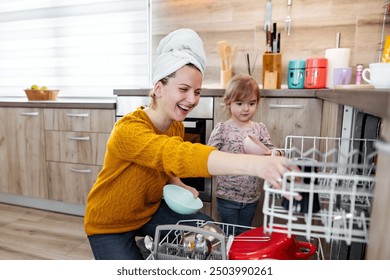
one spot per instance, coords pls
(221, 52)
(228, 56)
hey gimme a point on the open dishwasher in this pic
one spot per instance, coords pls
(335, 188)
(209, 240)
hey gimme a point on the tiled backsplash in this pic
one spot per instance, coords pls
(314, 27)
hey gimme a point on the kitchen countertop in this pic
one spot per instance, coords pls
(372, 101)
(71, 102)
(218, 92)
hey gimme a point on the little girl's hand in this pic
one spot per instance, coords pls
(274, 152)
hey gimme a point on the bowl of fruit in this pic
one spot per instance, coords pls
(36, 92)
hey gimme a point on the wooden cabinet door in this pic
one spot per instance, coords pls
(71, 183)
(88, 120)
(76, 147)
(76, 142)
(282, 117)
(26, 156)
(4, 151)
(290, 116)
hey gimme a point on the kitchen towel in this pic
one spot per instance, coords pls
(337, 58)
(177, 49)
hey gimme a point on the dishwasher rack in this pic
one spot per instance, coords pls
(335, 184)
(168, 243)
(168, 240)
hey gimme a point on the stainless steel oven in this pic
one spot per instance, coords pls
(198, 126)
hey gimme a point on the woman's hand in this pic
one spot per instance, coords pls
(265, 167)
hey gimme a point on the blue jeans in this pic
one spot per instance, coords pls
(122, 246)
(236, 213)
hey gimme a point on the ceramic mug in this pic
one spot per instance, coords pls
(342, 76)
(379, 74)
(296, 74)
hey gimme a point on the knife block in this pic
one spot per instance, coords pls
(272, 70)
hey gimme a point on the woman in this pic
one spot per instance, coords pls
(146, 151)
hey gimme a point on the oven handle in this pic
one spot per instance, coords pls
(190, 124)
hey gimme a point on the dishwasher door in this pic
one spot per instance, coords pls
(356, 124)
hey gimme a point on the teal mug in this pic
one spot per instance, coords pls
(296, 74)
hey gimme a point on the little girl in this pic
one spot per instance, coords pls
(238, 196)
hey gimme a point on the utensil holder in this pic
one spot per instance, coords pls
(272, 70)
(226, 76)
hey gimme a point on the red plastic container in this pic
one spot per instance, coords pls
(316, 72)
(279, 246)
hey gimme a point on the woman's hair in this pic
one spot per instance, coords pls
(241, 87)
(164, 81)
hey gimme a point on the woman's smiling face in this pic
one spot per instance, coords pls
(181, 94)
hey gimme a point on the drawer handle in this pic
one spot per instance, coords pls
(80, 170)
(86, 138)
(33, 114)
(290, 106)
(72, 115)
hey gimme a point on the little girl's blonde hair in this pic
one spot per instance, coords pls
(241, 87)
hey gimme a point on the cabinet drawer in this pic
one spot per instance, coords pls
(87, 120)
(291, 116)
(76, 147)
(71, 183)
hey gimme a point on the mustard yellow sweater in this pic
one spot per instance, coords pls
(138, 163)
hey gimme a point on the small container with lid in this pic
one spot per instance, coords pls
(316, 72)
(359, 71)
(296, 74)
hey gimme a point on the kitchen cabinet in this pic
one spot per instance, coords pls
(52, 152)
(290, 116)
(23, 169)
(282, 116)
(75, 142)
(4, 151)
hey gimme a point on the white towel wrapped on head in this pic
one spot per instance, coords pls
(177, 49)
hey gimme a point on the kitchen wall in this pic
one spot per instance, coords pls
(240, 22)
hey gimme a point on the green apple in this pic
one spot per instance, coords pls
(44, 88)
(35, 87)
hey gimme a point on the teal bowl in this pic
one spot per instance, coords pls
(180, 200)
